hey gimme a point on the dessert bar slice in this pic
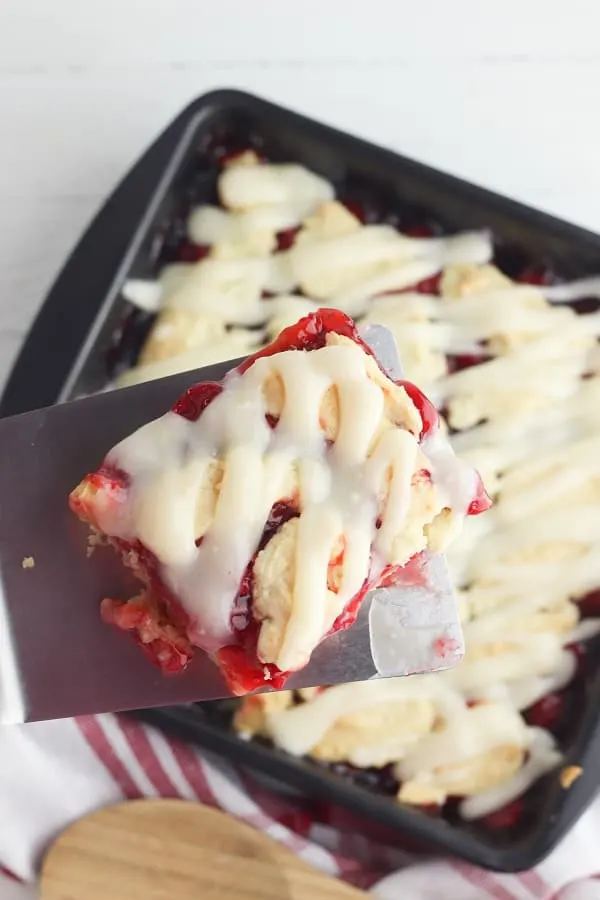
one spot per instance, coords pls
(260, 511)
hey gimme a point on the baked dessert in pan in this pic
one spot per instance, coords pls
(512, 364)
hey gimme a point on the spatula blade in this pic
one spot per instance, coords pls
(57, 658)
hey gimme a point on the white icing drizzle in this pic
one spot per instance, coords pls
(469, 733)
(523, 660)
(271, 184)
(342, 490)
(543, 757)
(355, 266)
(145, 295)
(299, 728)
(215, 284)
(354, 297)
(213, 225)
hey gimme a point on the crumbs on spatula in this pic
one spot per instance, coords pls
(28, 562)
(95, 539)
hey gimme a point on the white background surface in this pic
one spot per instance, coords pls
(506, 94)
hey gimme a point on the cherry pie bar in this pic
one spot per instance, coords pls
(260, 511)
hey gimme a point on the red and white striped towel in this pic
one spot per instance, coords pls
(53, 773)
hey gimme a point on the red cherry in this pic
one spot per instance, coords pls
(428, 412)
(297, 820)
(192, 404)
(579, 652)
(241, 613)
(191, 253)
(418, 231)
(309, 333)
(460, 361)
(422, 475)
(535, 275)
(547, 712)
(585, 306)
(589, 605)
(429, 285)
(482, 500)
(506, 817)
(357, 209)
(431, 810)
(244, 674)
(281, 513)
(286, 238)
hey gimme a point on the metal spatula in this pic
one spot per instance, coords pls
(58, 659)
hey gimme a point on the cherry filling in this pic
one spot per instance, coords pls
(192, 404)
(589, 605)
(191, 253)
(238, 662)
(286, 238)
(586, 305)
(508, 816)
(429, 285)
(310, 333)
(162, 644)
(579, 652)
(547, 712)
(482, 500)
(429, 414)
(418, 231)
(537, 275)
(155, 619)
(458, 362)
(357, 209)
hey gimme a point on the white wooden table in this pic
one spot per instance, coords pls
(505, 94)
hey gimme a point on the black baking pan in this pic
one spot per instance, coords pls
(86, 332)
